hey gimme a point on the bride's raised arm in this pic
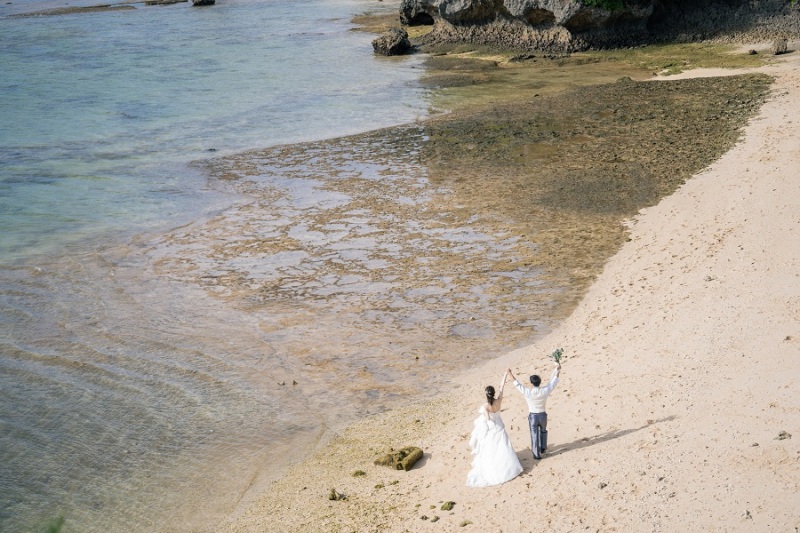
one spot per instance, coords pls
(499, 399)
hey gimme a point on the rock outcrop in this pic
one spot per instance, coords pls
(392, 43)
(563, 26)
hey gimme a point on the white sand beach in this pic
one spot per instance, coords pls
(679, 401)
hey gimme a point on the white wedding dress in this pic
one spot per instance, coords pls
(494, 460)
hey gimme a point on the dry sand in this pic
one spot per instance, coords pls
(681, 375)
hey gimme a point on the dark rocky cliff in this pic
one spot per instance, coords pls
(563, 26)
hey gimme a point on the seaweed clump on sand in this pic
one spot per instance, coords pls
(402, 459)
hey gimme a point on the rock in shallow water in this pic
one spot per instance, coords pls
(392, 43)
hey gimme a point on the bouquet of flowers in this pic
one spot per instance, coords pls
(556, 355)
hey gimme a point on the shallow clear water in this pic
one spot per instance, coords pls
(129, 401)
(99, 110)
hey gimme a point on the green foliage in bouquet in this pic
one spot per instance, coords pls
(556, 355)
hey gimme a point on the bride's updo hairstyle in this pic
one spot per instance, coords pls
(489, 394)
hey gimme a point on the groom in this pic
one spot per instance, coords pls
(536, 397)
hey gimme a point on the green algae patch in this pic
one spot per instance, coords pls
(477, 78)
(462, 82)
(565, 171)
(668, 59)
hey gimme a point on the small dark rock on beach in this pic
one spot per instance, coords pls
(780, 46)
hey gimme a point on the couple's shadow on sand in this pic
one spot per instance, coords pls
(527, 460)
(529, 463)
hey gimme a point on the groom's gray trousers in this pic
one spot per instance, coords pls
(540, 420)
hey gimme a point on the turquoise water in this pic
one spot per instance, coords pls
(99, 111)
(128, 402)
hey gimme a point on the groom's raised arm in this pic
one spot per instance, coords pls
(553, 379)
(517, 385)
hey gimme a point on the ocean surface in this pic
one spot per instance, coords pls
(131, 401)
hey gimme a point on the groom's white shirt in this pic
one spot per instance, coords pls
(537, 396)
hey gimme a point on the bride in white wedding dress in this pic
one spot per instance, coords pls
(494, 460)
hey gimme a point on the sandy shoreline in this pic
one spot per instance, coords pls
(681, 374)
